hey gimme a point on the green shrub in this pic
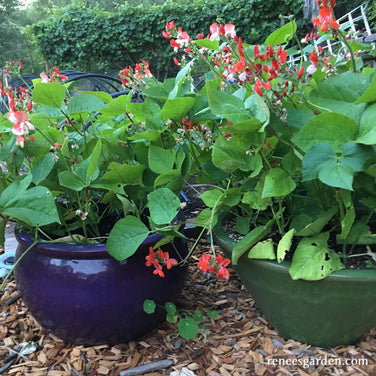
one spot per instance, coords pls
(92, 40)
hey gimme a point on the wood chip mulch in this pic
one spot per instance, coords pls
(238, 342)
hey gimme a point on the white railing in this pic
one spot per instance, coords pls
(350, 24)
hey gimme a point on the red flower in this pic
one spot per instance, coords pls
(300, 73)
(203, 262)
(56, 70)
(313, 58)
(174, 43)
(238, 67)
(325, 19)
(20, 63)
(176, 61)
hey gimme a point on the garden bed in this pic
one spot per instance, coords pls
(237, 342)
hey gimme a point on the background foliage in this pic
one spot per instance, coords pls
(106, 35)
(93, 39)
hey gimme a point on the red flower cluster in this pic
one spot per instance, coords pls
(325, 18)
(217, 265)
(54, 76)
(158, 260)
(135, 76)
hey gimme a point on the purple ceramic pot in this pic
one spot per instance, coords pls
(84, 296)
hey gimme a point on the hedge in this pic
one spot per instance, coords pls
(95, 40)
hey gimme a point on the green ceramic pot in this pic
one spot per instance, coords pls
(337, 310)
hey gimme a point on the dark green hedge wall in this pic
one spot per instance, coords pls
(95, 40)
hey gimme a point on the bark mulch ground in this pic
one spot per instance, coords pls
(238, 342)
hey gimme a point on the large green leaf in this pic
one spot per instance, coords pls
(118, 106)
(177, 108)
(313, 260)
(51, 94)
(163, 206)
(84, 103)
(161, 160)
(41, 167)
(367, 129)
(34, 206)
(318, 157)
(281, 35)
(226, 105)
(125, 237)
(370, 94)
(124, 174)
(211, 197)
(332, 128)
(339, 176)
(277, 183)
(230, 154)
(340, 94)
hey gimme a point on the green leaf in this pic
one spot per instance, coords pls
(207, 43)
(177, 108)
(284, 245)
(161, 160)
(94, 158)
(171, 318)
(370, 94)
(124, 174)
(250, 240)
(349, 218)
(305, 225)
(102, 95)
(230, 154)
(118, 106)
(211, 197)
(51, 94)
(277, 183)
(125, 237)
(356, 156)
(149, 306)
(367, 129)
(34, 206)
(198, 316)
(340, 94)
(317, 158)
(332, 128)
(84, 103)
(207, 218)
(313, 260)
(255, 201)
(339, 176)
(226, 105)
(262, 250)
(170, 308)
(242, 225)
(41, 167)
(231, 197)
(163, 205)
(188, 328)
(281, 35)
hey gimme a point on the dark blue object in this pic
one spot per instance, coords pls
(84, 296)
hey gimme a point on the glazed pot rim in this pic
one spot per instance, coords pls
(81, 251)
(227, 243)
